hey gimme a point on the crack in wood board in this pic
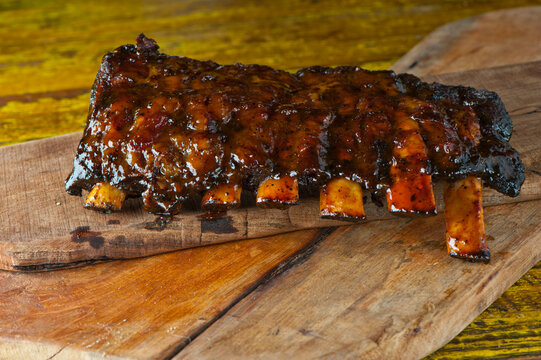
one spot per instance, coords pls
(288, 264)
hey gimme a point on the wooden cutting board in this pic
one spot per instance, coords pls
(337, 295)
(387, 290)
(43, 228)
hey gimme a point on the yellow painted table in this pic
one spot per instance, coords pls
(50, 52)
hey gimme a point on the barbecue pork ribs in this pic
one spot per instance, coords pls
(171, 128)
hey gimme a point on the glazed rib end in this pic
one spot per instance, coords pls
(278, 193)
(465, 225)
(222, 198)
(342, 199)
(170, 129)
(105, 198)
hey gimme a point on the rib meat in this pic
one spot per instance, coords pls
(171, 128)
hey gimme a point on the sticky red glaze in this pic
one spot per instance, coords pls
(167, 128)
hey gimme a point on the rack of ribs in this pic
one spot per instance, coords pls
(171, 129)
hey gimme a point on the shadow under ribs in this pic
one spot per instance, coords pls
(169, 129)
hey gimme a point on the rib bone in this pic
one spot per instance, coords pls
(105, 197)
(278, 192)
(342, 198)
(464, 220)
(221, 198)
(411, 187)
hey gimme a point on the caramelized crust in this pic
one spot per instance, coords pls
(168, 128)
(411, 185)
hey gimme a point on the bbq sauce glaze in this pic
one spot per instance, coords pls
(168, 128)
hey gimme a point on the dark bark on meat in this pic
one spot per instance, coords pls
(168, 128)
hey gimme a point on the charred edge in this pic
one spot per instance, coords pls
(146, 44)
(480, 256)
(343, 217)
(296, 259)
(276, 204)
(107, 209)
(52, 267)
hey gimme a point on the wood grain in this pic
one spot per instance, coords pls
(509, 328)
(386, 292)
(39, 36)
(134, 309)
(353, 289)
(50, 52)
(476, 43)
(44, 228)
(387, 289)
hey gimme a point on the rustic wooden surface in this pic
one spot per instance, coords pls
(396, 291)
(385, 299)
(40, 98)
(473, 43)
(509, 328)
(386, 292)
(43, 228)
(50, 52)
(133, 309)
